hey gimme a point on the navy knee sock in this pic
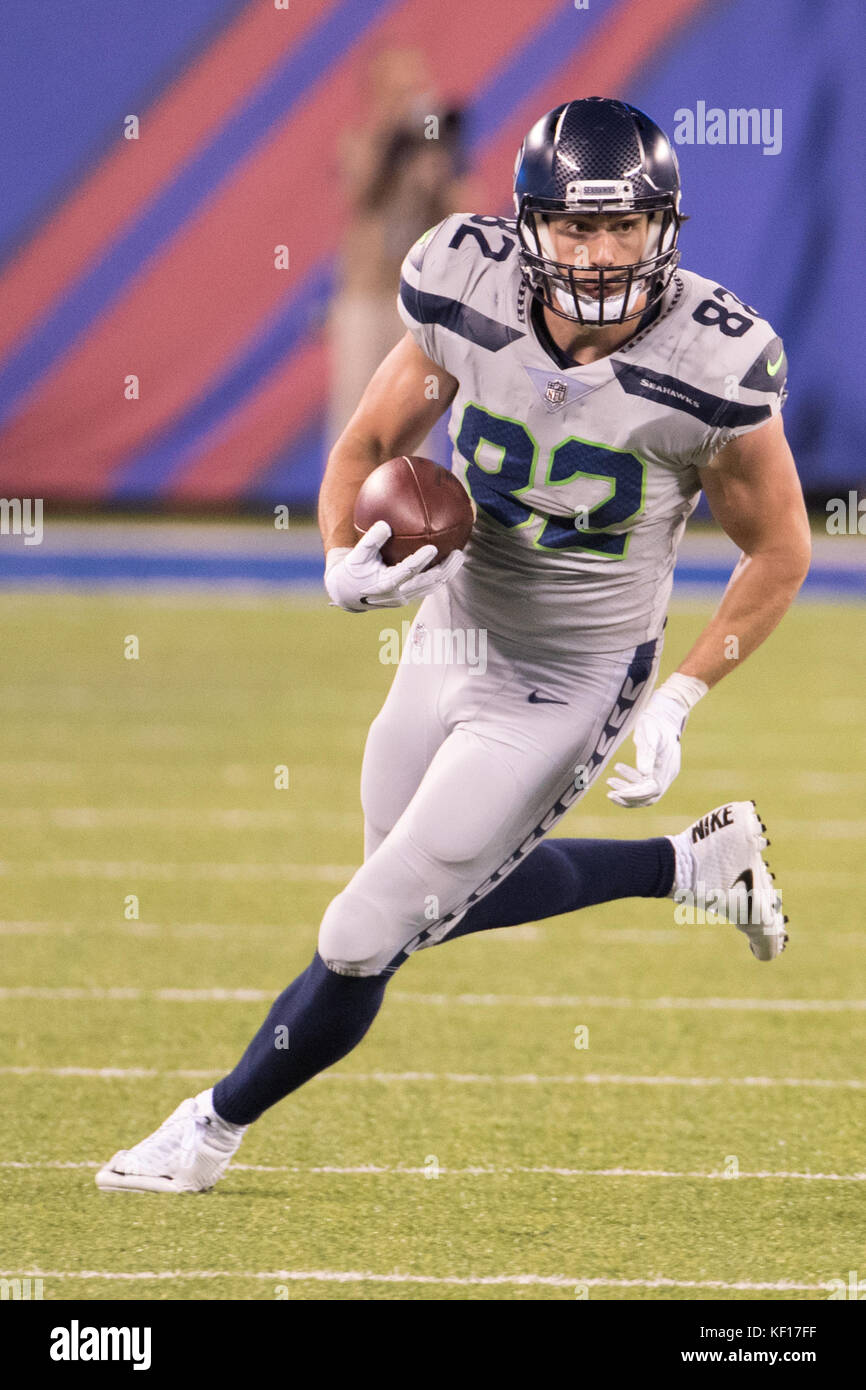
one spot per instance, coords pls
(322, 1015)
(315, 1022)
(566, 875)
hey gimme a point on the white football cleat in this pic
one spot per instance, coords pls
(188, 1153)
(719, 865)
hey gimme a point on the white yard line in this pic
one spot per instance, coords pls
(173, 817)
(176, 929)
(238, 818)
(590, 1001)
(262, 872)
(35, 929)
(460, 1078)
(340, 1276)
(132, 869)
(530, 931)
(545, 1170)
(643, 936)
(88, 817)
(114, 1073)
(779, 827)
(496, 1001)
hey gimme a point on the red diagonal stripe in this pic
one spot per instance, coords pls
(246, 444)
(604, 67)
(171, 131)
(180, 324)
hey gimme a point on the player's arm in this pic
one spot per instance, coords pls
(396, 411)
(755, 495)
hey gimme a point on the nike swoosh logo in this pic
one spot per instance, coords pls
(536, 699)
(747, 878)
(773, 367)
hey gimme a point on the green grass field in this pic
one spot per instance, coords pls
(562, 1171)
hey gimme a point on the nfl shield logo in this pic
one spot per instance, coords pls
(556, 392)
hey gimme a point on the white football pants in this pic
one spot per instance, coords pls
(467, 766)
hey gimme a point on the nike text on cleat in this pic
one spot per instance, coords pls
(189, 1152)
(719, 863)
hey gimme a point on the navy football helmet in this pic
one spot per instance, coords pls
(597, 155)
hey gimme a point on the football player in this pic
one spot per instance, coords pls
(595, 388)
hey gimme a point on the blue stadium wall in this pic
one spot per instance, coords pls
(150, 351)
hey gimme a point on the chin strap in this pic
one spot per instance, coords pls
(613, 305)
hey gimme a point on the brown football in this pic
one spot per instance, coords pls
(423, 504)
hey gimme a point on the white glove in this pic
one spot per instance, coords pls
(657, 736)
(357, 578)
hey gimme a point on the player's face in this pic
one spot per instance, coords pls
(599, 240)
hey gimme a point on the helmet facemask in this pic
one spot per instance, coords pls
(598, 296)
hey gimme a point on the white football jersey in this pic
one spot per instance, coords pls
(583, 476)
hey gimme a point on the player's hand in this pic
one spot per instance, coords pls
(657, 736)
(358, 579)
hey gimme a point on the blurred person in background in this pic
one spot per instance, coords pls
(401, 173)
